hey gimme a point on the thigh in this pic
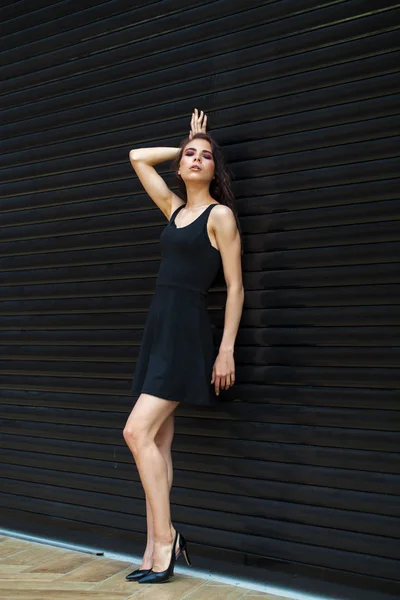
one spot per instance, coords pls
(149, 414)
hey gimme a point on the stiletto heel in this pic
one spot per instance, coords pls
(186, 555)
(183, 549)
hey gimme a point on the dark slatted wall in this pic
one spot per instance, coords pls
(297, 471)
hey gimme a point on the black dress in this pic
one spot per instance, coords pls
(177, 351)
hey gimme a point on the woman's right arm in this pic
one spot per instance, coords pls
(143, 161)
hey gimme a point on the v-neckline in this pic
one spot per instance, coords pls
(191, 223)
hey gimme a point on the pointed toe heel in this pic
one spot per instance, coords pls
(136, 575)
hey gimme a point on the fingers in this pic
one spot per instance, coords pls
(193, 123)
(198, 122)
(222, 382)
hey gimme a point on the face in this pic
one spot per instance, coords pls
(197, 162)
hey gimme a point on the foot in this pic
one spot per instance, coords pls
(147, 560)
(162, 553)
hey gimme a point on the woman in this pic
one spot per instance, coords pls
(177, 360)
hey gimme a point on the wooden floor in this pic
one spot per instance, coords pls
(32, 571)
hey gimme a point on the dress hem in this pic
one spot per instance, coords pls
(170, 399)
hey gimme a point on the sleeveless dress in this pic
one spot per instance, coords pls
(177, 351)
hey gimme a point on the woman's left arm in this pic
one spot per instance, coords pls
(229, 244)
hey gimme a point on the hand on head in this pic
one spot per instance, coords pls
(198, 123)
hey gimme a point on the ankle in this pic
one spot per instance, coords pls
(164, 540)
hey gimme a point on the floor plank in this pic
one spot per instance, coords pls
(59, 595)
(33, 571)
(62, 564)
(216, 592)
(32, 555)
(42, 586)
(31, 577)
(10, 546)
(175, 589)
(97, 570)
(117, 583)
(11, 568)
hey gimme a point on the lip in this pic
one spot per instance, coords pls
(195, 168)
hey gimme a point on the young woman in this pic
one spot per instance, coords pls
(178, 361)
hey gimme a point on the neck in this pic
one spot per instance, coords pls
(198, 197)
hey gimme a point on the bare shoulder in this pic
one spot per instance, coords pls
(222, 217)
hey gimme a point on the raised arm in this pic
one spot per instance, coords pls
(143, 161)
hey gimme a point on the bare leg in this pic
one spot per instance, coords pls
(144, 422)
(163, 440)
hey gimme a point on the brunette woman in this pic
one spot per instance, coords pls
(178, 361)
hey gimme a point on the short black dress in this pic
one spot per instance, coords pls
(178, 349)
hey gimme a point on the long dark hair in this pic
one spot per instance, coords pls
(221, 185)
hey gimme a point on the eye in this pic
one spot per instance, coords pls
(189, 153)
(208, 156)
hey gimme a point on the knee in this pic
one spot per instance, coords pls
(134, 437)
(126, 433)
(129, 434)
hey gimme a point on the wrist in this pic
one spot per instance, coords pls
(226, 349)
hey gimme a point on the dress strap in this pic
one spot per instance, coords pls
(206, 213)
(172, 219)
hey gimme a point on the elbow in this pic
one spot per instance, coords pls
(236, 289)
(134, 155)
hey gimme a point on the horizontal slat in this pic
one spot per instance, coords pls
(171, 34)
(14, 14)
(296, 469)
(320, 79)
(309, 278)
(115, 240)
(263, 520)
(171, 76)
(273, 298)
(382, 252)
(367, 130)
(297, 94)
(310, 122)
(48, 114)
(316, 316)
(252, 543)
(111, 202)
(190, 479)
(322, 435)
(277, 570)
(379, 420)
(258, 507)
(38, 24)
(105, 357)
(119, 383)
(140, 35)
(258, 394)
(365, 470)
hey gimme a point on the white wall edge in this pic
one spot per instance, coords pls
(210, 575)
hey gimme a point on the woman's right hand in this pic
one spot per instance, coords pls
(198, 123)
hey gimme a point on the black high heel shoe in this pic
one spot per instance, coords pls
(135, 575)
(162, 576)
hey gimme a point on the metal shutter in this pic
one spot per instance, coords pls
(296, 473)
